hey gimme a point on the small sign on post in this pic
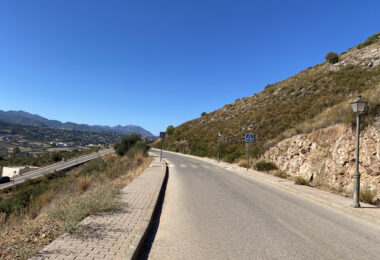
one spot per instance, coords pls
(248, 140)
(162, 136)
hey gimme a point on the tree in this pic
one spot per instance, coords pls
(170, 130)
(332, 57)
(126, 143)
(203, 114)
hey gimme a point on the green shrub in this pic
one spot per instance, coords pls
(176, 133)
(92, 167)
(139, 148)
(126, 143)
(232, 156)
(170, 130)
(203, 114)
(332, 57)
(370, 40)
(301, 181)
(265, 166)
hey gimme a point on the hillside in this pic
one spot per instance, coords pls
(315, 98)
(25, 118)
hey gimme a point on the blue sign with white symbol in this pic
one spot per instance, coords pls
(249, 138)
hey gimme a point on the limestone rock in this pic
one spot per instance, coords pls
(328, 155)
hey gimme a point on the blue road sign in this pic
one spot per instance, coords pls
(249, 138)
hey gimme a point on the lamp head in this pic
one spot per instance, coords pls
(358, 105)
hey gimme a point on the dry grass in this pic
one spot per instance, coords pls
(84, 183)
(367, 195)
(340, 113)
(301, 181)
(46, 198)
(71, 210)
(86, 190)
(279, 173)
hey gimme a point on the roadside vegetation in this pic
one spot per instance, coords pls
(265, 166)
(43, 159)
(368, 196)
(301, 181)
(315, 98)
(38, 211)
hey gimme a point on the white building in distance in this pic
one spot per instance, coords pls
(14, 171)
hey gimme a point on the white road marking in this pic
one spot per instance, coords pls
(205, 166)
(194, 166)
(183, 166)
(171, 165)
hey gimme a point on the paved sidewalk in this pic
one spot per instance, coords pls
(367, 212)
(116, 235)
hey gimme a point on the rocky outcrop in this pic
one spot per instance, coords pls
(366, 57)
(327, 157)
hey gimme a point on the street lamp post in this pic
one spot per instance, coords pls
(358, 106)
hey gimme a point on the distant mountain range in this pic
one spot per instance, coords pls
(25, 118)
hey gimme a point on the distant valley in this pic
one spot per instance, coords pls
(24, 135)
(25, 118)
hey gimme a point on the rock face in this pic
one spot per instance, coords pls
(327, 157)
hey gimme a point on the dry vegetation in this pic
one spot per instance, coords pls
(314, 98)
(58, 202)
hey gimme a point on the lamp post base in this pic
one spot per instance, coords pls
(356, 191)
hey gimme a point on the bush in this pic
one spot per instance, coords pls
(92, 167)
(231, 157)
(280, 174)
(367, 195)
(301, 181)
(126, 143)
(265, 166)
(139, 148)
(332, 57)
(203, 114)
(170, 130)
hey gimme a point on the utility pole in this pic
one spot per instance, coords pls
(219, 146)
(162, 136)
(248, 157)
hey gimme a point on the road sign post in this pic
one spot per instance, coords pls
(162, 136)
(219, 146)
(248, 140)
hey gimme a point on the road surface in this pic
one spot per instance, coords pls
(211, 212)
(56, 167)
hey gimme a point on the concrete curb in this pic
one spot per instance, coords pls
(303, 191)
(140, 238)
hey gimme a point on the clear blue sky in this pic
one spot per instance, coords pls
(155, 63)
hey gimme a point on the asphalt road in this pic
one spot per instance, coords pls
(56, 167)
(211, 212)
